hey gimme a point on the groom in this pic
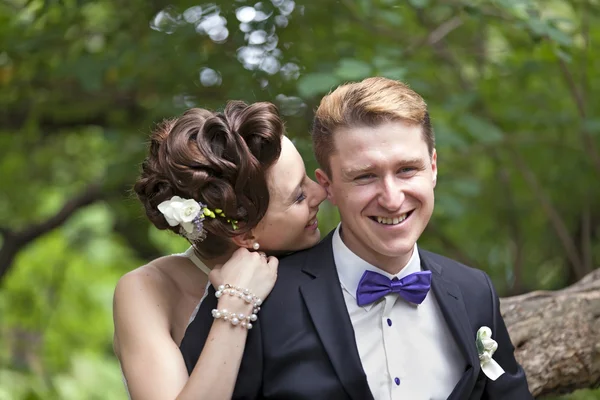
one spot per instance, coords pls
(367, 314)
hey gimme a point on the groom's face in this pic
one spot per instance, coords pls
(382, 181)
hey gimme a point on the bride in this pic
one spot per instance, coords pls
(236, 188)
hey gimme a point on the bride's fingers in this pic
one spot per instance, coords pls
(272, 262)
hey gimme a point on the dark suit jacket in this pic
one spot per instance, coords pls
(303, 345)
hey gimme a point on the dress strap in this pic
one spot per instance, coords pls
(191, 254)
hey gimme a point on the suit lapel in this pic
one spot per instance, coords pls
(453, 309)
(325, 303)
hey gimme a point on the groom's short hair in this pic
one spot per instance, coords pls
(367, 103)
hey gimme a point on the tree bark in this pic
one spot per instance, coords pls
(557, 336)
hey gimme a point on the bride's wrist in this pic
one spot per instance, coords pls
(234, 304)
(231, 300)
(236, 316)
(244, 294)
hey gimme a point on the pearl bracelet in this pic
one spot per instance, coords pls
(245, 321)
(241, 293)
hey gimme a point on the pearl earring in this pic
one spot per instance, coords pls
(256, 246)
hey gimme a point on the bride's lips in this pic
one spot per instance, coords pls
(312, 224)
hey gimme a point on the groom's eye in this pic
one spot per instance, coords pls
(364, 176)
(407, 170)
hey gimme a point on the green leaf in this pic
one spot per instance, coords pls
(450, 206)
(419, 3)
(592, 125)
(467, 187)
(558, 36)
(398, 73)
(351, 69)
(311, 85)
(479, 344)
(445, 137)
(537, 26)
(482, 130)
(382, 62)
(518, 8)
(566, 57)
(392, 18)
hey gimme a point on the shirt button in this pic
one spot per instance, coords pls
(397, 380)
(389, 321)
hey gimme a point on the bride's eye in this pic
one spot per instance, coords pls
(301, 197)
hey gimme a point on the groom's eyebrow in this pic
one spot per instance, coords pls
(350, 172)
(356, 170)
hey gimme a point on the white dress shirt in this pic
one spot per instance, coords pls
(407, 351)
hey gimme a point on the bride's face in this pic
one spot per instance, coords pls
(291, 220)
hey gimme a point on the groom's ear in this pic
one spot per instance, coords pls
(325, 182)
(434, 167)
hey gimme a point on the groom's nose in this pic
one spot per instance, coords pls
(391, 196)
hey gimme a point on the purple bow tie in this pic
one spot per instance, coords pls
(373, 286)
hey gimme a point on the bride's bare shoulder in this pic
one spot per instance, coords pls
(153, 284)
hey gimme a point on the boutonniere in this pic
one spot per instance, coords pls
(486, 346)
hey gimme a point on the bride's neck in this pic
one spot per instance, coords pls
(212, 262)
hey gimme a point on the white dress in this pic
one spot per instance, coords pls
(189, 253)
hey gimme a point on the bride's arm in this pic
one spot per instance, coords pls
(151, 361)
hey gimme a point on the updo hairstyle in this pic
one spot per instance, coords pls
(219, 159)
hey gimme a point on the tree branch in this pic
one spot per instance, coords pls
(586, 235)
(15, 241)
(442, 52)
(137, 239)
(557, 223)
(588, 142)
(444, 29)
(434, 36)
(551, 332)
(512, 217)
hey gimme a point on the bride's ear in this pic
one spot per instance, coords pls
(246, 240)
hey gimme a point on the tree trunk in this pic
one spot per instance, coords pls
(557, 336)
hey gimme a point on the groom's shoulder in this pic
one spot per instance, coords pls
(302, 265)
(299, 258)
(461, 274)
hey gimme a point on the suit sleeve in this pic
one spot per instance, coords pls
(512, 385)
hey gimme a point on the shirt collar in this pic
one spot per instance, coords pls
(350, 267)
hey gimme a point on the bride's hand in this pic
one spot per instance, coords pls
(248, 270)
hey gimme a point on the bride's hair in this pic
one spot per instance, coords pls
(217, 158)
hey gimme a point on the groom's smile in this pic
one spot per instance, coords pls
(392, 220)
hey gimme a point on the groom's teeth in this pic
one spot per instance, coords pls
(391, 221)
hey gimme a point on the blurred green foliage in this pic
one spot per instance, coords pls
(509, 84)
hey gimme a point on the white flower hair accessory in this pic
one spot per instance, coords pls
(486, 347)
(189, 214)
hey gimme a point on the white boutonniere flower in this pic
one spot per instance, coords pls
(486, 347)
